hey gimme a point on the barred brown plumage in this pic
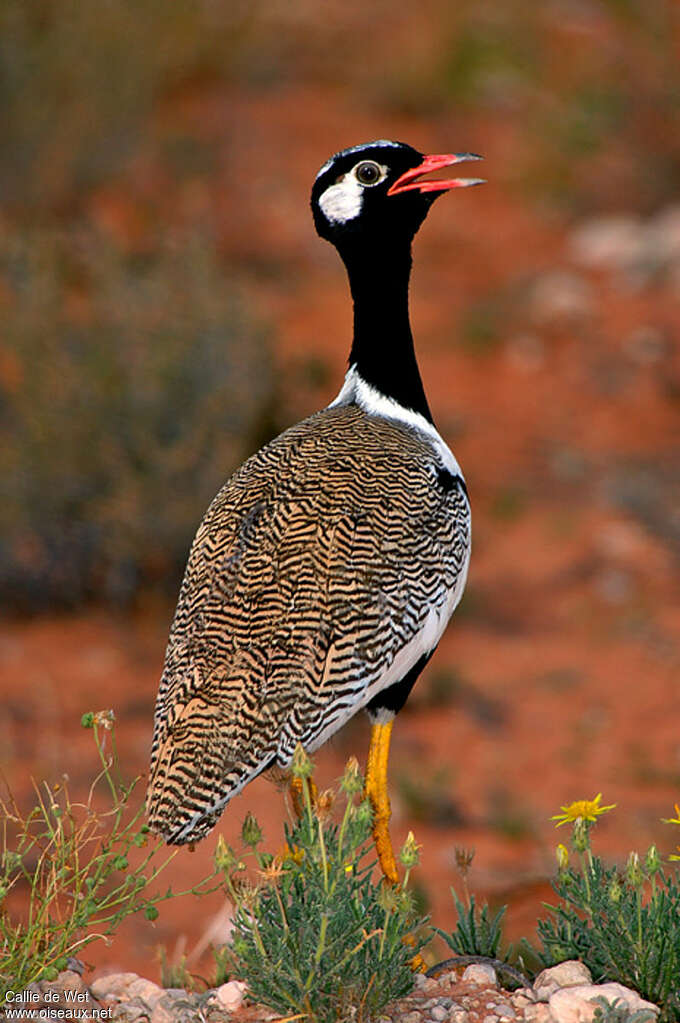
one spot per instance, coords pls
(326, 569)
(316, 563)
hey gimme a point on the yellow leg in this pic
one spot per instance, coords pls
(297, 795)
(376, 791)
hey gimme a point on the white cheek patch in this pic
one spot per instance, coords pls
(342, 201)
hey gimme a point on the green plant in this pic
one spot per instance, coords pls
(477, 933)
(624, 924)
(130, 386)
(316, 936)
(78, 867)
(617, 1011)
(223, 964)
(174, 973)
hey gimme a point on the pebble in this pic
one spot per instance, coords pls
(562, 994)
(230, 995)
(161, 1014)
(146, 990)
(130, 1012)
(609, 242)
(538, 1013)
(481, 974)
(567, 974)
(113, 987)
(71, 980)
(560, 296)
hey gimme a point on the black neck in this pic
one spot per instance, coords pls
(382, 347)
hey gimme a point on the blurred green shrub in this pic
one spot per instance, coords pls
(130, 387)
(78, 83)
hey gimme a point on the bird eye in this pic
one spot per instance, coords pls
(368, 173)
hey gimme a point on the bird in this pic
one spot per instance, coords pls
(326, 569)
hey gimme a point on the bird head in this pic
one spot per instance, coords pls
(379, 189)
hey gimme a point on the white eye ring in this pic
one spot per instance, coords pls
(369, 173)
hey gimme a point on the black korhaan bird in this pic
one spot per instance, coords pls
(326, 569)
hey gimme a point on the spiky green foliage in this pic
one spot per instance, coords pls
(477, 932)
(318, 936)
(625, 926)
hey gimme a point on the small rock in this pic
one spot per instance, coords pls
(567, 974)
(75, 966)
(69, 980)
(419, 981)
(431, 986)
(664, 229)
(149, 992)
(560, 296)
(608, 242)
(537, 1013)
(577, 1005)
(506, 1012)
(438, 1012)
(161, 1014)
(490, 1019)
(481, 974)
(458, 1016)
(130, 1012)
(114, 987)
(412, 1017)
(230, 995)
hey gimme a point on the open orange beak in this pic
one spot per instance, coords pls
(410, 180)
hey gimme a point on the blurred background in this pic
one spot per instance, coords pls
(166, 307)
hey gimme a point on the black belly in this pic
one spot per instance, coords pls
(395, 696)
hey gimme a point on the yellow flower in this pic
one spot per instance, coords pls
(288, 855)
(673, 820)
(581, 810)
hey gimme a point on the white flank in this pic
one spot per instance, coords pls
(356, 390)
